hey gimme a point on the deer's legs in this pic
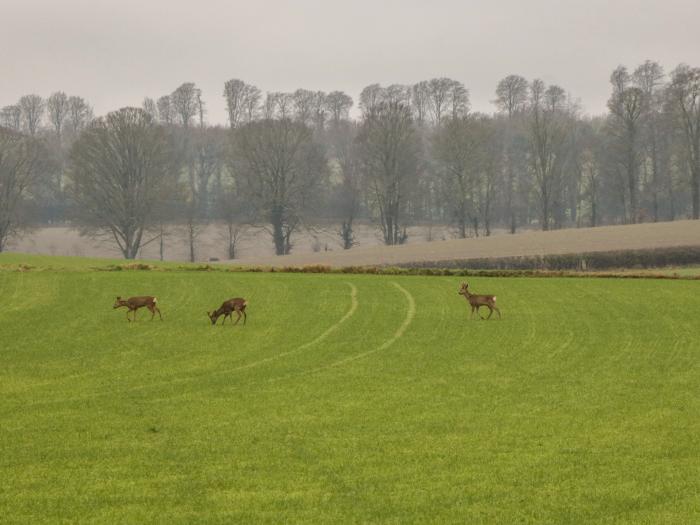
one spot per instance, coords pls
(127, 315)
(497, 310)
(490, 311)
(245, 317)
(238, 313)
(154, 309)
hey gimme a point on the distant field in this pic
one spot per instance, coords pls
(346, 398)
(256, 247)
(530, 243)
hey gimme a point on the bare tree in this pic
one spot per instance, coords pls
(201, 107)
(338, 104)
(345, 168)
(547, 135)
(279, 165)
(303, 103)
(684, 99)
(32, 107)
(511, 100)
(458, 100)
(22, 161)
(438, 95)
(371, 96)
(185, 105)
(79, 114)
(166, 110)
(149, 106)
(57, 106)
(234, 94)
(649, 77)
(120, 170)
(388, 152)
(627, 107)
(11, 117)
(511, 95)
(456, 148)
(420, 94)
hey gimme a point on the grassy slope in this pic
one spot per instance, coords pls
(581, 405)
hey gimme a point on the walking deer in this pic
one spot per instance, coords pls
(237, 305)
(477, 301)
(134, 303)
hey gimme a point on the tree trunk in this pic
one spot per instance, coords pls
(695, 190)
(278, 237)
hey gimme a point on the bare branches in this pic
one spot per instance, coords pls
(120, 168)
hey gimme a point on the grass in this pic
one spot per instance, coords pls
(347, 398)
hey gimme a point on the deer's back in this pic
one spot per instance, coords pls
(141, 300)
(233, 304)
(482, 299)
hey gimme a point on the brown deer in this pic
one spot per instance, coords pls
(237, 305)
(134, 303)
(477, 301)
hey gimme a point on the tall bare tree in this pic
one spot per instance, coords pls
(627, 106)
(185, 101)
(338, 104)
(420, 93)
(32, 107)
(57, 107)
(684, 98)
(11, 117)
(166, 110)
(511, 100)
(242, 101)
(547, 133)
(345, 170)
(79, 114)
(279, 165)
(121, 168)
(388, 156)
(456, 148)
(22, 161)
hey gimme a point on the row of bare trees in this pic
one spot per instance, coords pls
(415, 154)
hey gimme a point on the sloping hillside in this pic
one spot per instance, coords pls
(605, 238)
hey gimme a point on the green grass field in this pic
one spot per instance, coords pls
(347, 399)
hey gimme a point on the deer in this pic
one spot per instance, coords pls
(134, 303)
(236, 304)
(477, 301)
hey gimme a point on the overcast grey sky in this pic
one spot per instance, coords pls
(115, 52)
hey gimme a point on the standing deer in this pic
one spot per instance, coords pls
(227, 308)
(134, 303)
(477, 301)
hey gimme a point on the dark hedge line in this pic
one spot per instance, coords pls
(592, 261)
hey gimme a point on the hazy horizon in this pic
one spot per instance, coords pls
(116, 53)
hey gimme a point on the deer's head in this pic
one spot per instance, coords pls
(212, 317)
(464, 289)
(119, 302)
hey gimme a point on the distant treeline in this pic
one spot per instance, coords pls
(415, 155)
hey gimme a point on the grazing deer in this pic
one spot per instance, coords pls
(477, 301)
(227, 308)
(134, 303)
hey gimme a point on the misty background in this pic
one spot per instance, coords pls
(200, 131)
(116, 52)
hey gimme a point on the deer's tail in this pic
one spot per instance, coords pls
(155, 300)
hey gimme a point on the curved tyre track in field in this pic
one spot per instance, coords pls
(408, 319)
(324, 335)
(410, 314)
